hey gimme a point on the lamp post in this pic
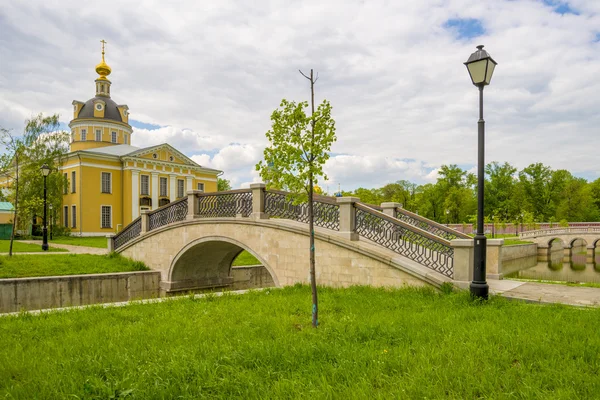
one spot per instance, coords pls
(45, 171)
(493, 227)
(481, 68)
(51, 219)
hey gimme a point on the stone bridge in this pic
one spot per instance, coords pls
(193, 241)
(553, 240)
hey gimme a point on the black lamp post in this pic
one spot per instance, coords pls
(481, 68)
(45, 171)
(51, 219)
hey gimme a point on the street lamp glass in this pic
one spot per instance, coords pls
(481, 67)
(45, 170)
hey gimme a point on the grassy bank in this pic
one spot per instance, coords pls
(372, 343)
(21, 266)
(19, 247)
(99, 242)
(245, 258)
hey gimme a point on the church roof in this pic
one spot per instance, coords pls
(110, 110)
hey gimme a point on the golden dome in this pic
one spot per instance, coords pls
(103, 69)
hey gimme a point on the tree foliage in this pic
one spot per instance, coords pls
(535, 194)
(41, 143)
(223, 184)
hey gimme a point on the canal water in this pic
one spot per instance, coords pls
(578, 269)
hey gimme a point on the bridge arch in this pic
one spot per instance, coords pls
(575, 239)
(207, 262)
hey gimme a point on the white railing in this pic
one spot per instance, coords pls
(560, 231)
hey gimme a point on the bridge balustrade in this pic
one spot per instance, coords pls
(326, 211)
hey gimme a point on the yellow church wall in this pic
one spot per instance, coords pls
(126, 203)
(93, 199)
(71, 198)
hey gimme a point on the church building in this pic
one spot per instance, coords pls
(111, 181)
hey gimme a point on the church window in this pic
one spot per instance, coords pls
(163, 187)
(106, 217)
(106, 182)
(114, 137)
(154, 155)
(73, 216)
(83, 135)
(125, 138)
(66, 216)
(66, 184)
(145, 185)
(73, 185)
(171, 158)
(201, 186)
(98, 135)
(180, 183)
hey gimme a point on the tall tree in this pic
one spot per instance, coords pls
(41, 143)
(299, 147)
(500, 188)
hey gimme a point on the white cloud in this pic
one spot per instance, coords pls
(212, 75)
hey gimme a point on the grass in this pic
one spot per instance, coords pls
(93, 241)
(21, 266)
(372, 343)
(19, 247)
(245, 258)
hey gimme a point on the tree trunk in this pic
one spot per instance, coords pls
(14, 227)
(311, 223)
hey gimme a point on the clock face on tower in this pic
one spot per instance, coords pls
(99, 107)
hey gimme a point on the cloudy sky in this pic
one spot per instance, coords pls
(204, 76)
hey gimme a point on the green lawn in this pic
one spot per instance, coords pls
(509, 240)
(372, 343)
(20, 266)
(245, 258)
(93, 241)
(19, 247)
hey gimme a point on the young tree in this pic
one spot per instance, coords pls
(41, 143)
(299, 147)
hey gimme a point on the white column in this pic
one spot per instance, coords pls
(135, 194)
(154, 190)
(189, 182)
(172, 188)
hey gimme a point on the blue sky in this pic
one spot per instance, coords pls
(207, 80)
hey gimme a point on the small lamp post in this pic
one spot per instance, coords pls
(481, 68)
(45, 171)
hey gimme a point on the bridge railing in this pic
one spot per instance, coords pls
(559, 231)
(408, 240)
(326, 211)
(130, 232)
(231, 203)
(167, 214)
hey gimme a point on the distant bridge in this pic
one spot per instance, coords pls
(193, 241)
(568, 236)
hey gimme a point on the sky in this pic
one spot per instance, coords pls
(205, 76)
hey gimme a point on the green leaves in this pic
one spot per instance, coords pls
(294, 152)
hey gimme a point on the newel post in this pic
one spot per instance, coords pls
(348, 217)
(258, 201)
(389, 208)
(193, 205)
(145, 220)
(463, 259)
(111, 243)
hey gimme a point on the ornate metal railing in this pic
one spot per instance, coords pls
(225, 204)
(560, 231)
(172, 212)
(326, 211)
(410, 241)
(423, 223)
(129, 233)
(429, 226)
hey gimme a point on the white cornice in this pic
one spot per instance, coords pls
(100, 122)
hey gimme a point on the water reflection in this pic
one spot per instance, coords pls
(555, 269)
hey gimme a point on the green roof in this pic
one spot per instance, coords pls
(6, 206)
